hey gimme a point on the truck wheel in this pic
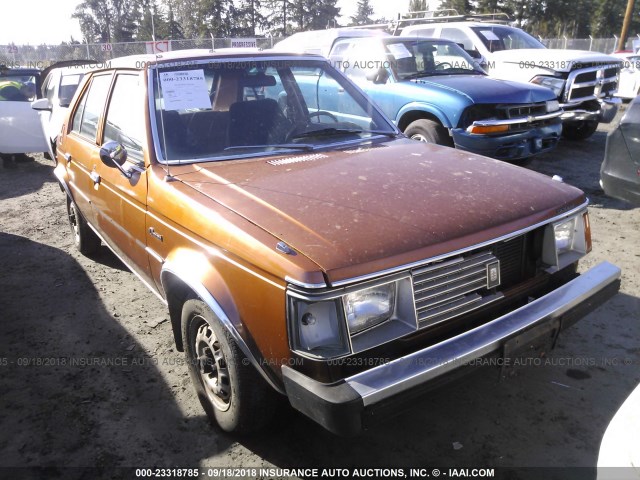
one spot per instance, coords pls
(428, 131)
(85, 239)
(230, 390)
(579, 130)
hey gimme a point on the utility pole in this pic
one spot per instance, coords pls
(284, 28)
(625, 24)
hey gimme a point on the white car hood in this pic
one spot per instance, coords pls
(552, 59)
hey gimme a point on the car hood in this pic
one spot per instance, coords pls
(363, 210)
(552, 59)
(481, 89)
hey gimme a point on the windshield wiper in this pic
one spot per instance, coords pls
(292, 146)
(329, 131)
(418, 75)
(413, 76)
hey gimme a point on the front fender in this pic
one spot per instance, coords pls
(187, 273)
(431, 110)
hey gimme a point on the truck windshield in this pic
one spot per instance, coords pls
(221, 109)
(497, 38)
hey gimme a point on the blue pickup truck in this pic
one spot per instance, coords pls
(435, 92)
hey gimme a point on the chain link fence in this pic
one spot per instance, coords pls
(41, 56)
(604, 45)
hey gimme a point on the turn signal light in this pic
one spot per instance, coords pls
(479, 129)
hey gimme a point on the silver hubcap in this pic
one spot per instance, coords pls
(419, 137)
(212, 367)
(73, 221)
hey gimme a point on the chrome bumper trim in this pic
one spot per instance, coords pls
(517, 120)
(605, 114)
(402, 374)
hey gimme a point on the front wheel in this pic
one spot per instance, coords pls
(579, 130)
(229, 388)
(428, 131)
(85, 239)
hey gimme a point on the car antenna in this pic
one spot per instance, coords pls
(168, 177)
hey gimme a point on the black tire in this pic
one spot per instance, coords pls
(428, 131)
(579, 130)
(231, 391)
(85, 239)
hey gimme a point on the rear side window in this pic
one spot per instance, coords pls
(125, 116)
(87, 116)
(459, 37)
(68, 86)
(16, 87)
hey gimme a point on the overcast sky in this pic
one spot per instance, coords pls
(49, 21)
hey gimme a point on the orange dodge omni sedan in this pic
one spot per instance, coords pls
(303, 245)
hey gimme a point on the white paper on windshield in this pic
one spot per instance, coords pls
(184, 89)
(399, 50)
(489, 35)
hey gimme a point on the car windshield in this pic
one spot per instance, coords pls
(423, 58)
(497, 38)
(218, 110)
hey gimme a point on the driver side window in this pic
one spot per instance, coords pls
(125, 116)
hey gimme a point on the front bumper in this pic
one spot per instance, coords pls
(343, 407)
(604, 114)
(509, 146)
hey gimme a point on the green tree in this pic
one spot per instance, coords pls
(151, 21)
(417, 5)
(363, 13)
(608, 17)
(463, 7)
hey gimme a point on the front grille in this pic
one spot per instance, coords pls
(451, 288)
(592, 83)
(459, 285)
(526, 110)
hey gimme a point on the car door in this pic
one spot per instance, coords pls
(119, 194)
(78, 150)
(20, 130)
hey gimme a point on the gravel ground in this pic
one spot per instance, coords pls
(90, 378)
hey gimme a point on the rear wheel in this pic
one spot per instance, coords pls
(579, 130)
(85, 239)
(428, 131)
(229, 388)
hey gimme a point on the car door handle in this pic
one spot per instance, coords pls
(67, 157)
(95, 176)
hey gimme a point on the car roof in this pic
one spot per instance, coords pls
(140, 62)
(401, 38)
(324, 39)
(422, 26)
(5, 70)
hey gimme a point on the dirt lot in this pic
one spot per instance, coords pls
(89, 376)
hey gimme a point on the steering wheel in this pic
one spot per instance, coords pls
(320, 113)
(443, 65)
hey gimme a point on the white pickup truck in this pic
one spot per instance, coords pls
(585, 82)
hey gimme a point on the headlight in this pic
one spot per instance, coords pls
(350, 320)
(369, 307)
(555, 84)
(553, 106)
(318, 329)
(566, 241)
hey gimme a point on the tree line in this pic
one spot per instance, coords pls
(556, 18)
(106, 21)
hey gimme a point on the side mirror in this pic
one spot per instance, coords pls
(379, 76)
(42, 104)
(113, 154)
